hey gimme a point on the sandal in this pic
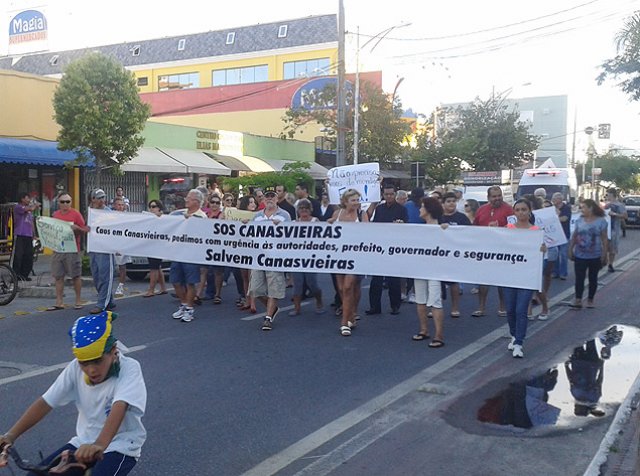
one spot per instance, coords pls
(420, 336)
(55, 308)
(197, 301)
(148, 294)
(455, 314)
(478, 313)
(217, 300)
(436, 344)
(345, 331)
(502, 313)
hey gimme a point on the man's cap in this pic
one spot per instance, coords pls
(98, 193)
(91, 336)
(458, 189)
(270, 190)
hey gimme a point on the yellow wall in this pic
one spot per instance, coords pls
(27, 106)
(274, 62)
(265, 122)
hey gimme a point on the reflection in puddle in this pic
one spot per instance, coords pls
(591, 383)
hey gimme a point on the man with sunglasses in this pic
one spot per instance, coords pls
(68, 264)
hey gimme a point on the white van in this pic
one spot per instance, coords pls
(552, 179)
(479, 193)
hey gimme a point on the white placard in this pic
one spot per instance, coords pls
(365, 178)
(547, 220)
(470, 254)
(57, 235)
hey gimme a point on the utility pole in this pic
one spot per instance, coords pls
(341, 132)
(356, 106)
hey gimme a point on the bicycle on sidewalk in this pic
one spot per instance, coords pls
(64, 465)
(8, 284)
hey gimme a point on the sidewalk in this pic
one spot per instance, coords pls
(38, 294)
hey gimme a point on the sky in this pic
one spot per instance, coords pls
(447, 52)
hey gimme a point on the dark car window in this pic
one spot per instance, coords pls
(632, 201)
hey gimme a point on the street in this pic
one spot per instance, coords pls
(225, 398)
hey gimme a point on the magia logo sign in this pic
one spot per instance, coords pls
(26, 26)
(319, 93)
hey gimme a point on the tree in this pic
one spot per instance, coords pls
(619, 169)
(482, 136)
(382, 131)
(626, 64)
(99, 112)
(289, 176)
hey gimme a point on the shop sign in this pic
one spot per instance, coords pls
(310, 95)
(207, 140)
(27, 26)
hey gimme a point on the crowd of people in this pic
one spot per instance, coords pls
(589, 247)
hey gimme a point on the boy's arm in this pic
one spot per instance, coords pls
(93, 452)
(36, 412)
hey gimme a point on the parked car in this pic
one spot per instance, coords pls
(138, 269)
(632, 202)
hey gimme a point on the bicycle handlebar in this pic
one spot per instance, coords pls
(63, 464)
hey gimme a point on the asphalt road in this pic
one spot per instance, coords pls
(226, 398)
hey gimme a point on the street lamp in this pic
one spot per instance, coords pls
(591, 154)
(356, 103)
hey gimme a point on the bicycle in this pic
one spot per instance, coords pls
(8, 284)
(64, 465)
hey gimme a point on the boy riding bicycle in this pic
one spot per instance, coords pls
(110, 395)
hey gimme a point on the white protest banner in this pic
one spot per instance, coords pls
(365, 178)
(57, 235)
(548, 221)
(484, 255)
(235, 214)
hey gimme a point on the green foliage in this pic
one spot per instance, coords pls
(100, 112)
(483, 136)
(625, 66)
(290, 175)
(620, 169)
(382, 131)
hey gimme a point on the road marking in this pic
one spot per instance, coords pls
(51, 368)
(323, 435)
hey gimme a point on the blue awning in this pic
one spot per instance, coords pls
(33, 152)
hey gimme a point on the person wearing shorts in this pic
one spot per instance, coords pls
(68, 264)
(269, 286)
(186, 276)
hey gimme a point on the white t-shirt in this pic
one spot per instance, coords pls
(94, 404)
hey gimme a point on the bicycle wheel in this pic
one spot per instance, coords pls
(8, 285)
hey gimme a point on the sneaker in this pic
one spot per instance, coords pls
(517, 351)
(475, 290)
(180, 312)
(267, 323)
(611, 270)
(403, 297)
(510, 344)
(187, 316)
(119, 290)
(411, 297)
(531, 317)
(543, 317)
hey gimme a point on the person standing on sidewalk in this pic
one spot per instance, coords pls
(618, 214)
(68, 264)
(22, 253)
(588, 249)
(186, 276)
(102, 264)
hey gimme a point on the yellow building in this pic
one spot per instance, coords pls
(287, 49)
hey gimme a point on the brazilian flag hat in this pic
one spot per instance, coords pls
(91, 336)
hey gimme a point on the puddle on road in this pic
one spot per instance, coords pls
(591, 383)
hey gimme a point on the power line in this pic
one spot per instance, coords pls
(486, 30)
(491, 48)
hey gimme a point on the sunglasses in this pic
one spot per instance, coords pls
(215, 202)
(64, 201)
(154, 206)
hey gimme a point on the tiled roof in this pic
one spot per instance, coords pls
(300, 32)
